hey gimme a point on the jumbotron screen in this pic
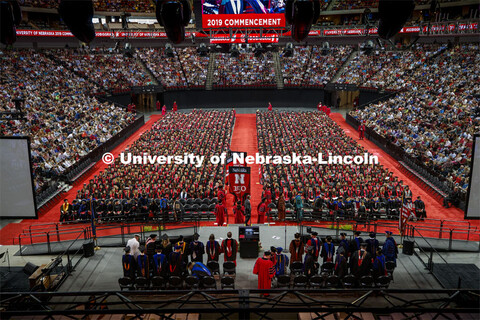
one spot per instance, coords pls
(226, 14)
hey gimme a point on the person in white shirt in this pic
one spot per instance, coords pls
(134, 244)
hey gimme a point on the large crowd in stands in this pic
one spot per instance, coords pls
(63, 121)
(205, 133)
(246, 69)
(435, 119)
(293, 68)
(99, 5)
(168, 70)
(164, 263)
(108, 69)
(385, 69)
(323, 67)
(194, 65)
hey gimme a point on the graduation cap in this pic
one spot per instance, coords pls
(357, 233)
(343, 234)
(314, 233)
(267, 253)
(373, 234)
(127, 249)
(388, 232)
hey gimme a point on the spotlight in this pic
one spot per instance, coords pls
(288, 51)
(367, 47)
(325, 48)
(202, 50)
(234, 51)
(258, 50)
(127, 52)
(169, 50)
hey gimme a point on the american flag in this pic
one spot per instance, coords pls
(405, 212)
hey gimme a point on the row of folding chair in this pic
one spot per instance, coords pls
(175, 283)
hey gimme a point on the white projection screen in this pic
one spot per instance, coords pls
(472, 210)
(17, 198)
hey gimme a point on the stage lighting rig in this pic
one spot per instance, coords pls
(301, 14)
(174, 15)
(17, 114)
(124, 16)
(368, 47)
(258, 50)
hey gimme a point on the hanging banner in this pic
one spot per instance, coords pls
(239, 181)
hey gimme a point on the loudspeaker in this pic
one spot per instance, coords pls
(88, 249)
(407, 247)
(393, 14)
(77, 15)
(248, 249)
(29, 268)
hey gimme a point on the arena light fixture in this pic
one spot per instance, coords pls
(393, 15)
(367, 47)
(174, 15)
(234, 51)
(77, 15)
(258, 50)
(301, 14)
(10, 18)
(202, 50)
(325, 48)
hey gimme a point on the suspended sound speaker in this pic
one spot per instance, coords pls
(77, 15)
(174, 15)
(393, 15)
(301, 14)
(10, 16)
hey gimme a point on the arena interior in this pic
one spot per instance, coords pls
(242, 159)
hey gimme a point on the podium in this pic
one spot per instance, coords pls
(249, 238)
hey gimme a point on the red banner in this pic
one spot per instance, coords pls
(254, 20)
(239, 178)
(241, 38)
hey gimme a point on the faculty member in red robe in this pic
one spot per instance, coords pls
(265, 270)
(229, 248)
(239, 212)
(361, 131)
(262, 209)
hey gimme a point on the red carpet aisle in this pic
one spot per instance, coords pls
(244, 139)
(14, 229)
(434, 209)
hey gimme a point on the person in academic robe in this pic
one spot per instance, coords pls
(389, 248)
(197, 249)
(270, 108)
(420, 209)
(65, 211)
(248, 210)
(222, 198)
(328, 250)
(183, 249)
(344, 244)
(143, 269)
(297, 249)
(178, 211)
(310, 264)
(379, 267)
(175, 107)
(128, 264)
(159, 262)
(355, 242)
(372, 244)
(361, 131)
(281, 262)
(341, 264)
(361, 262)
(265, 270)
(199, 270)
(150, 245)
(299, 207)
(239, 212)
(315, 243)
(262, 209)
(166, 245)
(175, 262)
(281, 207)
(220, 214)
(213, 249)
(229, 248)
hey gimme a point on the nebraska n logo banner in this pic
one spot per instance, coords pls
(239, 181)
